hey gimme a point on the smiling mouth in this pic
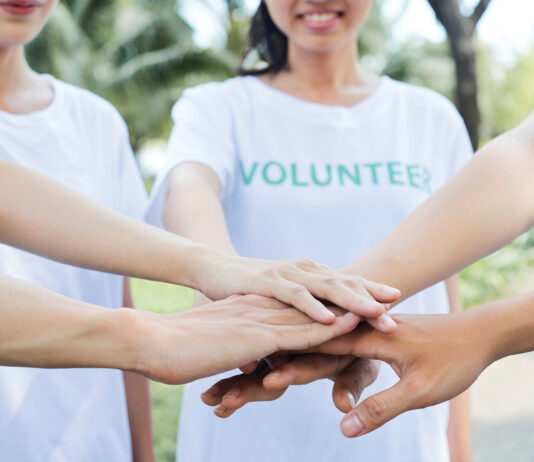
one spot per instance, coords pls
(20, 5)
(321, 16)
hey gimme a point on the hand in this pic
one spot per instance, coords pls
(182, 347)
(437, 357)
(350, 375)
(297, 283)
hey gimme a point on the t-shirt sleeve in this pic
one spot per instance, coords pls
(202, 133)
(132, 197)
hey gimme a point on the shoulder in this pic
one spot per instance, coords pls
(84, 104)
(223, 95)
(425, 101)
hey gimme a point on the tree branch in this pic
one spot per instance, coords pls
(479, 11)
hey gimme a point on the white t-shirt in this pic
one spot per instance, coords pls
(306, 180)
(69, 415)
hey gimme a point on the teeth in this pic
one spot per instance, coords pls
(321, 17)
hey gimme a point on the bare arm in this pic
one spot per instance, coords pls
(41, 216)
(39, 328)
(486, 205)
(459, 428)
(138, 402)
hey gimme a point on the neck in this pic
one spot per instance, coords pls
(22, 91)
(15, 71)
(332, 70)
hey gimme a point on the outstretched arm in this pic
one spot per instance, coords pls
(39, 328)
(43, 217)
(486, 205)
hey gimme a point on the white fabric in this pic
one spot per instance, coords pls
(307, 180)
(69, 415)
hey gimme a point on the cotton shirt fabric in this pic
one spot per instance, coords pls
(300, 179)
(69, 415)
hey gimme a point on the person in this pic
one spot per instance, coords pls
(436, 357)
(311, 156)
(80, 140)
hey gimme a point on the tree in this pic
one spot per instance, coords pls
(460, 32)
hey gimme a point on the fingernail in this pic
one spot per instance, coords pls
(351, 315)
(273, 375)
(351, 426)
(352, 399)
(211, 391)
(327, 313)
(220, 409)
(387, 322)
(392, 291)
(233, 393)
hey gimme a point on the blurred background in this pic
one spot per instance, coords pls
(141, 54)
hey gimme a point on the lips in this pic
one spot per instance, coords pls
(320, 20)
(19, 8)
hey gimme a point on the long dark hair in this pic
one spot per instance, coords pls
(267, 42)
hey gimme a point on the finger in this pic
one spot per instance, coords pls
(384, 324)
(352, 381)
(213, 396)
(350, 295)
(309, 335)
(248, 390)
(249, 368)
(381, 292)
(306, 369)
(297, 295)
(364, 342)
(376, 410)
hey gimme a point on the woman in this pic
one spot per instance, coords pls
(80, 140)
(312, 156)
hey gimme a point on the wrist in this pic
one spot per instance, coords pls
(507, 326)
(123, 332)
(208, 266)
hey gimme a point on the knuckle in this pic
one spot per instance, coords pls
(306, 331)
(271, 273)
(306, 262)
(421, 390)
(376, 409)
(298, 290)
(331, 281)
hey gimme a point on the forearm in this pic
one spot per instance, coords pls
(486, 205)
(459, 429)
(44, 217)
(511, 322)
(138, 401)
(139, 416)
(193, 211)
(39, 328)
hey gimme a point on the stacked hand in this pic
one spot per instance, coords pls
(299, 283)
(435, 356)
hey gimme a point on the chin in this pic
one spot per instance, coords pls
(16, 34)
(322, 44)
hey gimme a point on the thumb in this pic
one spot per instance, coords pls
(376, 410)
